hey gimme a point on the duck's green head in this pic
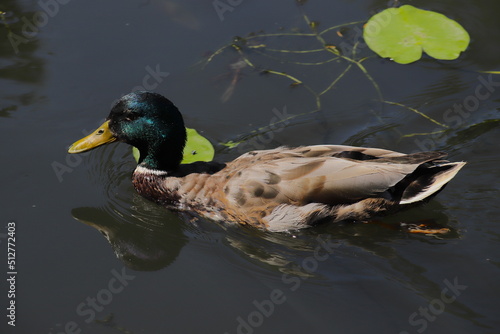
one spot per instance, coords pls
(147, 121)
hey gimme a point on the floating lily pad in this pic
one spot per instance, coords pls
(403, 33)
(197, 148)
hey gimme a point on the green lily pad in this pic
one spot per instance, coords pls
(403, 33)
(198, 148)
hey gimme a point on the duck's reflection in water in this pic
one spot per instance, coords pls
(139, 244)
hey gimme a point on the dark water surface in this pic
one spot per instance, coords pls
(149, 270)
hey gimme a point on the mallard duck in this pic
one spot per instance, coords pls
(279, 189)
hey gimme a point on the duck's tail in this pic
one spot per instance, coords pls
(427, 181)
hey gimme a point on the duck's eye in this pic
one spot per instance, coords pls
(131, 116)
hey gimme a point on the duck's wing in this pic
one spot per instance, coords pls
(327, 180)
(335, 175)
(315, 151)
(344, 151)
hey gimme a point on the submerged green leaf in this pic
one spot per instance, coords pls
(231, 144)
(491, 72)
(198, 148)
(403, 33)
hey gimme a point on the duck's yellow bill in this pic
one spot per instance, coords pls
(99, 137)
